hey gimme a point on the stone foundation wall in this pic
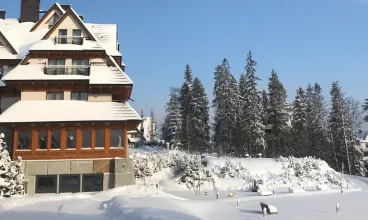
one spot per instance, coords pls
(116, 172)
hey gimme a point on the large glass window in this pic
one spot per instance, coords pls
(24, 140)
(55, 96)
(86, 139)
(69, 183)
(53, 20)
(46, 184)
(42, 140)
(100, 140)
(79, 96)
(55, 140)
(71, 139)
(116, 138)
(92, 182)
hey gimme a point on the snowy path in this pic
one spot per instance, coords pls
(133, 203)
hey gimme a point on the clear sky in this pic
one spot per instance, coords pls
(304, 41)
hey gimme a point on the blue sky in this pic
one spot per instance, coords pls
(304, 41)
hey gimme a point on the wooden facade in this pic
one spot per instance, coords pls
(34, 153)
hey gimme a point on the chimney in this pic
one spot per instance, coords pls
(81, 17)
(29, 10)
(2, 14)
(66, 7)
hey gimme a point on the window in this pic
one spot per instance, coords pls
(55, 140)
(70, 139)
(53, 20)
(92, 182)
(69, 183)
(79, 96)
(100, 140)
(116, 138)
(56, 67)
(55, 96)
(1, 44)
(46, 184)
(80, 67)
(63, 36)
(77, 37)
(86, 139)
(24, 140)
(42, 140)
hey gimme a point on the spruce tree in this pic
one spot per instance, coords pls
(299, 146)
(241, 125)
(265, 104)
(252, 113)
(225, 102)
(185, 100)
(171, 125)
(200, 130)
(278, 118)
(152, 126)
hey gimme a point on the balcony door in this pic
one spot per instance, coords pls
(63, 33)
(77, 36)
(80, 67)
(56, 67)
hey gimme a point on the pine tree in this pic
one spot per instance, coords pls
(152, 126)
(5, 166)
(17, 178)
(185, 101)
(343, 135)
(252, 113)
(299, 125)
(278, 118)
(265, 104)
(200, 131)
(225, 102)
(171, 126)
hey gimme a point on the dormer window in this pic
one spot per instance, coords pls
(53, 20)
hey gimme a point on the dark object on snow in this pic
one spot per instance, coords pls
(269, 208)
(203, 156)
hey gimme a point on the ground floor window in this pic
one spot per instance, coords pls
(46, 184)
(92, 182)
(42, 140)
(100, 138)
(86, 139)
(69, 183)
(55, 140)
(116, 138)
(71, 139)
(24, 140)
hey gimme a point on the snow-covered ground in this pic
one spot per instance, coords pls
(174, 201)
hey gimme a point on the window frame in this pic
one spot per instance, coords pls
(39, 142)
(51, 142)
(30, 140)
(54, 95)
(50, 176)
(103, 138)
(90, 139)
(122, 138)
(61, 176)
(79, 96)
(67, 138)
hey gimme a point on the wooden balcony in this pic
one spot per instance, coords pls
(76, 40)
(82, 70)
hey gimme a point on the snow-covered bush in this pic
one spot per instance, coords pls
(12, 178)
(299, 170)
(234, 170)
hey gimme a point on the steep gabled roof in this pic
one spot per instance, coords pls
(2, 35)
(72, 13)
(55, 6)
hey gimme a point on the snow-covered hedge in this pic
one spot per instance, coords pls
(297, 171)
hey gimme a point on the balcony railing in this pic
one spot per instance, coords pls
(77, 40)
(82, 70)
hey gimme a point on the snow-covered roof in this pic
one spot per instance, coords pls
(106, 34)
(68, 110)
(19, 37)
(99, 75)
(134, 140)
(49, 44)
